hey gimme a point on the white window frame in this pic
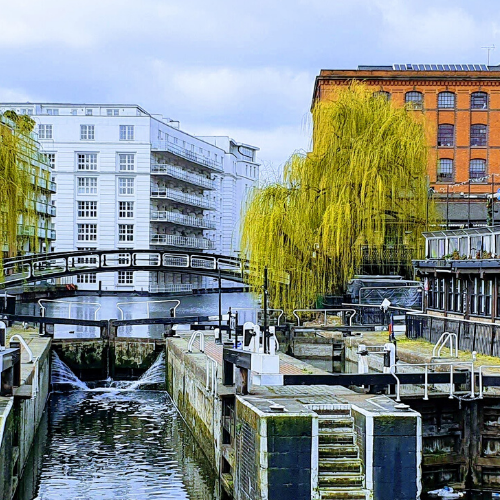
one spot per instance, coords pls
(125, 278)
(51, 159)
(125, 209)
(126, 186)
(126, 162)
(87, 279)
(112, 112)
(86, 162)
(125, 233)
(127, 132)
(86, 209)
(86, 232)
(86, 185)
(45, 131)
(87, 132)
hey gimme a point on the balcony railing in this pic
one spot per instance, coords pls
(181, 241)
(43, 233)
(45, 208)
(179, 173)
(188, 155)
(172, 288)
(184, 220)
(187, 199)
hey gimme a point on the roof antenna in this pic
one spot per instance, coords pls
(489, 48)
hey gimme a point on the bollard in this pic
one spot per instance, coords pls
(3, 335)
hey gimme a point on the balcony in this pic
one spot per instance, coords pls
(188, 155)
(174, 240)
(45, 208)
(183, 220)
(23, 230)
(180, 197)
(46, 233)
(180, 174)
(172, 288)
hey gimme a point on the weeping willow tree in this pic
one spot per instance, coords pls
(362, 189)
(18, 153)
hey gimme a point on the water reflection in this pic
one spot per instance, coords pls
(120, 446)
(85, 307)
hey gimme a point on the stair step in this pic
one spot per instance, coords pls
(342, 494)
(338, 451)
(333, 436)
(340, 465)
(336, 479)
(332, 422)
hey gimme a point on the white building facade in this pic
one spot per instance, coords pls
(127, 179)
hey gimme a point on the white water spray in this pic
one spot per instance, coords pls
(62, 374)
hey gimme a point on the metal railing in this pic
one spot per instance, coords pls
(172, 288)
(179, 196)
(187, 154)
(148, 302)
(346, 314)
(181, 174)
(446, 337)
(185, 220)
(70, 303)
(181, 241)
(195, 334)
(211, 375)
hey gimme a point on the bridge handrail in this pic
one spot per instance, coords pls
(147, 302)
(324, 311)
(42, 307)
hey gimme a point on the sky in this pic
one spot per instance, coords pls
(240, 68)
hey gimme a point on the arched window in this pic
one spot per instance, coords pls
(383, 93)
(445, 135)
(479, 100)
(445, 170)
(415, 99)
(446, 100)
(478, 134)
(477, 170)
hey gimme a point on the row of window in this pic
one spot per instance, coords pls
(124, 278)
(446, 135)
(88, 161)
(88, 232)
(87, 132)
(88, 185)
(446, 100)
(477, 170)
(88, 209)
(74, 112)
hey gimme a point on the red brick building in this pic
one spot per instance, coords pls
(462, 104)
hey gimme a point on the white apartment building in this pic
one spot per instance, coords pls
(127, 179)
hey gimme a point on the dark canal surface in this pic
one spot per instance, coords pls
(130, 445)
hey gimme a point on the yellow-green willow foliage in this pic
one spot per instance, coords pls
(17, 187)
(362, 188)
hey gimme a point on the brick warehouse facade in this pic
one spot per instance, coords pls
(462, 106)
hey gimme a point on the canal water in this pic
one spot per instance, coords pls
(92, 307)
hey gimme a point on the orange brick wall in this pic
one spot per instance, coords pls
(431, 83)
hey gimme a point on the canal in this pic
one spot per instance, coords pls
(120, 445)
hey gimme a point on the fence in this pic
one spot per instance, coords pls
(472, 335)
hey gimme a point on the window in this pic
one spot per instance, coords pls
(125, 185)
(87, 232)
(127, 162)
(27, 111)
(381, 93)
(87, 161)
(125, 277)
(112, 112)
(44, 131)
(126, 132)
(479, 100)
(87, 209)
(445, 135)
(446, 100)
(50, 158)
(88, 112)
(86, 132)
(52, 111)
(415, 100)
(125, 232)
(86, 259)
(86, 278)
(176, 140)
(87, 185)
(125, 209)
(445, 170)
(477, 170)
(478, 135)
